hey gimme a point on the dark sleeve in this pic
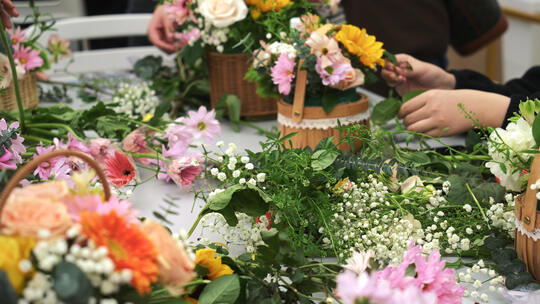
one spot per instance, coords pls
(528, 84)
(140, 6)
(513, 107)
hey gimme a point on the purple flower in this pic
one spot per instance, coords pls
(179, 138)
(6, 161)
(54, 166)
(283, 73)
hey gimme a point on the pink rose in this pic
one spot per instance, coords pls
(36, 208)
(184, 170)
(175, 267)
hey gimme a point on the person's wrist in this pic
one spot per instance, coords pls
(449, 81)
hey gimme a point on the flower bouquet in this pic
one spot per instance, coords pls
(315, 70)
(29, 58)
(229, 30)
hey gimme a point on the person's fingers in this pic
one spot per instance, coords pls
(416, 116)
(5, 19)
(10, 8)
(437, 132)
(42, 76)
(423, 126)
(412, 105)
(168, 25)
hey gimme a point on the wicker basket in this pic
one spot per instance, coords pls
(227, 76)
(313, 124)
(527, 240)
(29, 94)
(33, 164)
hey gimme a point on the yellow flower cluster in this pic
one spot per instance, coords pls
(358, 42)
(207, 257)
(264, 6)
(12, 251)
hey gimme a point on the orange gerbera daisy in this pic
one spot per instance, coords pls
(120, 170)
(129, 247)
(358, 42)
(207, 257)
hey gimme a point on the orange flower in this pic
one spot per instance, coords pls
(207, 257)
(358, 42)
(175, 267)
(269, 5)
(129, 247)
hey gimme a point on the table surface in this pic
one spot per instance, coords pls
(147, 197)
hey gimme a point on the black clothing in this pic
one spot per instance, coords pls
(519, 89)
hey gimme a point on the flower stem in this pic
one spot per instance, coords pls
(261, 130)
(478, 204)
(57, 126)
(38, 139)
(201, 215)
(14, 76)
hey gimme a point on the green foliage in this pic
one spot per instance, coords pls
(223, 290)
(232, 105)
(7, 293)
(385, 110)
(147, 67)
(71, 285)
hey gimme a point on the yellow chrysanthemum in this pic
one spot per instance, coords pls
(12, 251)
(358, 42)
(207, 257)
(255, 13)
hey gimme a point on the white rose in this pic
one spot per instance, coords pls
(222, 13)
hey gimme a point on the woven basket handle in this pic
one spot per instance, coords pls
(530, 201)
(33, 164)
(299, 94)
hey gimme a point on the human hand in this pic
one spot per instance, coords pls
(436, 112)
(161, 30)
(7, 10)
(413, 74)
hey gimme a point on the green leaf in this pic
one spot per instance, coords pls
(223, 290)
(147, 67)
(513, 280)
(329, 101)
(494, 243)
(71, 284)
(230, 217)
(420, 158)
(385, 110)
(201, 270)
(247, 199)
(390, 57)
(536, 130)
(515, 266)
(503, 256)
(411, 94)
(7, 293)
(232, 105)
(472, 139)
(323, 159)
(190, 53)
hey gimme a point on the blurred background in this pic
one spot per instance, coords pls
(506, 58)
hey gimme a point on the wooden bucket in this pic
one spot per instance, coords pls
(527, 240)
(313, 124)
(29, 94)
(33, 164)
(227, 76)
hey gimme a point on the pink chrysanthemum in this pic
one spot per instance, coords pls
(184, 170)
(283, 73)
(17, 36)
(352, 288)
(178, 11)
(325, 48)
(28, 57)
(94, 203)
(203, 123)
(179, 138)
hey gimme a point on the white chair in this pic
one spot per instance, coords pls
(59, 9)
(104, 26)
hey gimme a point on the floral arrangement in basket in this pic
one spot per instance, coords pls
(230, 25)
(336, 58)
(512, 149)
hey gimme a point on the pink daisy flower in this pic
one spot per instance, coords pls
(93, 203)
(179, 138)
(28, 57)
(283, 73)
(53, 166)
(17, 36)
(325, 48)
(16, 146)
(351, 288)
(203, 123)
(6, 161)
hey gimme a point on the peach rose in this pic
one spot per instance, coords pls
(222, 13)
(175, 267)
(36, 208)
